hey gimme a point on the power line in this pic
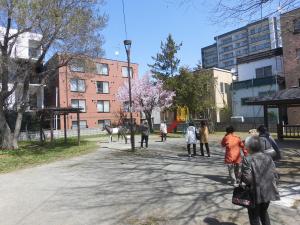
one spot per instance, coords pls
(124, 18)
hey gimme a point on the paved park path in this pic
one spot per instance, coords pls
(113, 186)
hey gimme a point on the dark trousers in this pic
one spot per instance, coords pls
(163, 137)
(144, 138)
(259, 215)
(189, 148)
(202, 150)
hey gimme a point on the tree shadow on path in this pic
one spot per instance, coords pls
(213, 221)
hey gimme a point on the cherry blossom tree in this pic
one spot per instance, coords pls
(146, 96)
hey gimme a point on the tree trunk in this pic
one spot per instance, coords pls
(6, 136)
(17, 129)
(148, 118)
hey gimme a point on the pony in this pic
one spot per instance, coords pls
(121, 131)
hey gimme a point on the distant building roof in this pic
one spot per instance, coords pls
(209, 46)
(258, 56)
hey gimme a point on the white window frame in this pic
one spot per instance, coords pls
(78, 105)
(125, 74)
(105, 122)
(76, 85)
(102, 106)
(103, 82)
(77, 66)
(100, 71)
(74, 124)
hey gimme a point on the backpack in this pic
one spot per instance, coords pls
(269, 147)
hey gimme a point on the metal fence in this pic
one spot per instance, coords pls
(35, 135)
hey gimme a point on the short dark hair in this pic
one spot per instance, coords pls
(203, 123)
(191, 124)
(262, 129)
(230, 129)
(254, 144)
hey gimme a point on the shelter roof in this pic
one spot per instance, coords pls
(289, 97)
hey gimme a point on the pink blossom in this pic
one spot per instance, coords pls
(146, 95)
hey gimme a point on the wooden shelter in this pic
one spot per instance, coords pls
(282, 100)
(51, 113)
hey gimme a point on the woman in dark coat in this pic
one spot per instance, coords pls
(259, 172)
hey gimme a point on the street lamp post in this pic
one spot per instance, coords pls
(127, 44)
(234, 78)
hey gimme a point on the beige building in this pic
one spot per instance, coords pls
(222, 96)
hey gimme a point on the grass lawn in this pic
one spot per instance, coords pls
(35, 153)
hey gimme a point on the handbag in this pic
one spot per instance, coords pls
(242, 196)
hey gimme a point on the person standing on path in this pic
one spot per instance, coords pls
(259, 173)
(191, 139)
(269, 145)
(233, 145)
(203, 133)
(163, 131)
(145, 133)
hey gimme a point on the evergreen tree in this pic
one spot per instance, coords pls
(166, 63)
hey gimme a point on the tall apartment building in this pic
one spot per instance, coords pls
(26, 47)
(90, 84)
(253, 38)
(290, 29)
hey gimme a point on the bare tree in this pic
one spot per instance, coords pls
(233, 11)
(70, 27)
(247, 10)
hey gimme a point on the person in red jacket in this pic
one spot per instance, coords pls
(233, 145)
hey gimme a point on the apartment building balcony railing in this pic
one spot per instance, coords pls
(258, 82)
(240, 38)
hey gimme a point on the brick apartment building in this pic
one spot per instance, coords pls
(290, 31)
(91, 84)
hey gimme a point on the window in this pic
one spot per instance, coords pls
(226, 40)
(102, 106)
(266, 93)
(34, 50)
(227, 88)
(222, 89)
(102, 69)
(228, 55)
(102, 87)
(297, 25)
(125, 71)
(228, 48)
(263, 72)
(102, 123)
(229, 63)
(82, 124)
(243, 101)
(78, 103)
(77, 66)
(77, 85)
(298, 53)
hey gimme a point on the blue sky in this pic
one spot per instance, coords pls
(150, 21)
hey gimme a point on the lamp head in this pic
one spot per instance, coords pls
(127, 44)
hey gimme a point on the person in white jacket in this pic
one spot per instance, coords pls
(163, 131)
(191, 138)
